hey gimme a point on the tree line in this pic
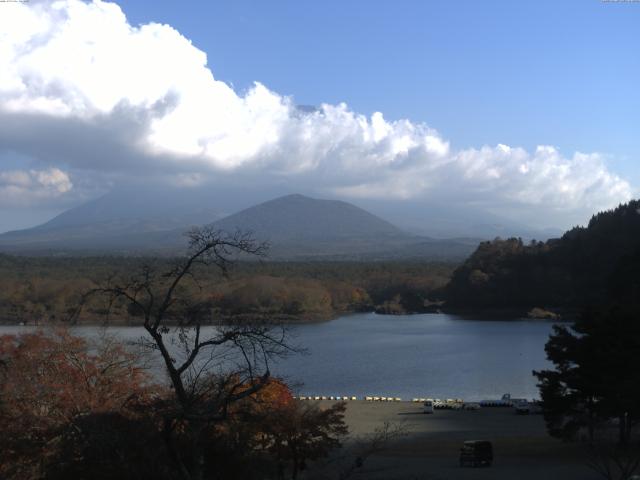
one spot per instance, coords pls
(45, 290)
(584, 268)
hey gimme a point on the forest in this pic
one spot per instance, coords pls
(40, 290)
(588, 266)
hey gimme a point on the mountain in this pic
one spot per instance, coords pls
(443, 220)
(295, 218)
(587, 266)
(297, 227)
(300, 227)
(120, 220)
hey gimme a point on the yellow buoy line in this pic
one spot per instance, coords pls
(343, 398)
(437, 402)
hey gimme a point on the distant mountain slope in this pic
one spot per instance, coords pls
(297, 227)
(587, 266)
(442, 220)
(300, 227)
(296, 217)
(120, 220)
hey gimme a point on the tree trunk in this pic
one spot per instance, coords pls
(173, 453)
(294, 469)
(198, 463)
(623, 432)
(197, 451)
(591, 426)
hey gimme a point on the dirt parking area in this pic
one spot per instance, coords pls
(430, 443)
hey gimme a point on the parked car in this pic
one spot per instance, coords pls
(439, 404)
(535, 407)
(476, 453)
(427, 407)
(522, 407)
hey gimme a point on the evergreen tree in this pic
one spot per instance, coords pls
(595, 379)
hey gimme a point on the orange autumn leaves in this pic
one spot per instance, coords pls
(57, 388)
(47, 380)
(55, 377)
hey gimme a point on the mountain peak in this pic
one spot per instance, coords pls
(296, 226)
(292, 197)
(301, 217)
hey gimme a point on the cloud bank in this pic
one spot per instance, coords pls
(82, 90)
(23, 188)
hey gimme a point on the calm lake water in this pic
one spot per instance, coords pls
(431, 355)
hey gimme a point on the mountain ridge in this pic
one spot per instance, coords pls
(297, 226)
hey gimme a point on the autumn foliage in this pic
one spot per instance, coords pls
(48, 381)
(296, 434)
(70, 408)
(46, 290)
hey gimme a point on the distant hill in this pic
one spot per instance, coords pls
(442, 220)
(590, 265)
(297, 227)
(123, 220)
(295, 218)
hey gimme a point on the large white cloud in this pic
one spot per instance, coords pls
(124, 98)
(25, 187)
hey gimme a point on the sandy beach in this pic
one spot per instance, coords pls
(429, 446)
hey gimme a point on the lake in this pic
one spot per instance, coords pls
(430, 355)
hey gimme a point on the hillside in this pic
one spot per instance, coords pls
(123, 220)
(298, 218)
(297, 228)
(587, 266)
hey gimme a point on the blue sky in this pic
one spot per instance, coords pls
(527, 110)
(564, 73)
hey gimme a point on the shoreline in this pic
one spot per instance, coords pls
(480, 315)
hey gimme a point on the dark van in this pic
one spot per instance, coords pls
(476, 453)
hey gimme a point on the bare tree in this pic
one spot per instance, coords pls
(352, 461)
(382, 437)
(614, 462)
(209, 367)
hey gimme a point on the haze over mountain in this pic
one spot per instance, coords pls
(296, 226)
(446, 220)
(301, 227)
(122, 219)
(299, 218)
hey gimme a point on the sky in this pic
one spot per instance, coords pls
(527, 109)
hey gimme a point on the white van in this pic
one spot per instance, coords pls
(427, 407)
